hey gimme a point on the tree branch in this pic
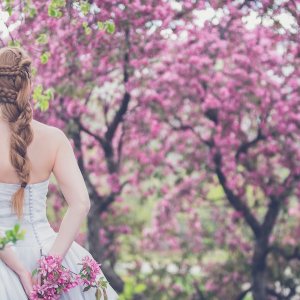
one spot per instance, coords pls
(245, 147)
(110, 198)
(234, 200)
(126, 98)
(295, 254)
(96, 137)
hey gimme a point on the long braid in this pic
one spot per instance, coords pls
(15, 93)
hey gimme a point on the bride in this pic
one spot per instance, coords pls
(30, 152)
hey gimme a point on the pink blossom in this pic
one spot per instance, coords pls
(56, 279)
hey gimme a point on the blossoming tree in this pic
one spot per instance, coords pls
(232, 91)
(74, 56)
(210, 111)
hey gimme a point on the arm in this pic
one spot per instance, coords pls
(9, 256)
(71, 182)
(11, 259)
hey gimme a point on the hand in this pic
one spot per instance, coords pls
(37, 279)
(27, 282)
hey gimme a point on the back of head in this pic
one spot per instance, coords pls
(15, 93)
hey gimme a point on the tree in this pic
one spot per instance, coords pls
(232, 92)
(75, 61)
(203, 113)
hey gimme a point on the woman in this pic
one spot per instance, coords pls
(29, 152)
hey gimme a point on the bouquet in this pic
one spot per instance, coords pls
(56, 279)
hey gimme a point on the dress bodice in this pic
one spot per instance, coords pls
(39, 238)
(34, 207)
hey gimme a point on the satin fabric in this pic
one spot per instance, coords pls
(39, 234)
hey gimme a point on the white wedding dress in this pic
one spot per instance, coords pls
(39, 234)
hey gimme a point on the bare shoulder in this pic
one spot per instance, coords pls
(64, 163)
(48, 143)
(49, 132)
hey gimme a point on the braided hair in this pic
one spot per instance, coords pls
(15, 93)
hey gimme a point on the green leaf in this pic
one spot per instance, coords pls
(45, 57)
(110, 27)
(85, 7)
(32, 12)
(42, 38)
(105, 294)
(54, 9)
(8, 6)
(44, 105)
(11, 235)
(52, 12)
(86, 288)
(16, 227)
(33, 71)
(9, 10)
(14, 43)
(107, 25)
(29, 10)
(42, 98)
(100, 25)
(139, 288)
(98, 294)
(86, 27)
(34, 272)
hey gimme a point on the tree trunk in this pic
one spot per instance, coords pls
(259, 282)
(261, 232)
(94, 223)
(259, 260)
(97, 250)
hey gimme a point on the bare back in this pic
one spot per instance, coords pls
(41, 153)
(50, 151)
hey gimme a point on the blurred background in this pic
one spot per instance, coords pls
(185, 120)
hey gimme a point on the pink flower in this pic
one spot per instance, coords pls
(113, 181)
(90, 270)
(56, 279)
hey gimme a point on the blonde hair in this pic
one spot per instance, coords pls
(15, 93)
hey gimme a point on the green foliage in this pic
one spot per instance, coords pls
(131, 288)
(12, 235)
(85, 7)
(45, 57)
(8, 6)
(108, 26)
(42, 98)
(162, 272)
(248, 297)
(34, 272)
(216, 193)
(29, 10)
(33, 71)
(42, 38)
(54, 9)
(86, 28)
(101, 288)
(14, 43)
